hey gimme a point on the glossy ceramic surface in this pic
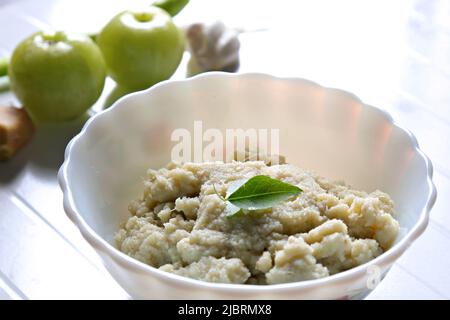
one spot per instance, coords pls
(327, 130)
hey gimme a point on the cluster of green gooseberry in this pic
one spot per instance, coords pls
(57, 76)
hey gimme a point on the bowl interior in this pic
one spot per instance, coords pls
(325, 130)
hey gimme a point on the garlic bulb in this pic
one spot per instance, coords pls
(213, 47)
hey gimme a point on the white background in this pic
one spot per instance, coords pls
(392, 54)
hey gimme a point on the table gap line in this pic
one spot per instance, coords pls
(420, 104)
(425, 61)
(30, 211)
(421, 281)
(442, 171)
(12, 288)
(440, 228)
(41, 25)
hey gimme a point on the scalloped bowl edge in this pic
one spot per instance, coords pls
(102, 246)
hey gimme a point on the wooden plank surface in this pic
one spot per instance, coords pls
(393, 54)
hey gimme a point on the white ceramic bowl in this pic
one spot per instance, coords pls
(327, 130)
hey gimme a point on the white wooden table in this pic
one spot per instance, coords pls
(393, 54)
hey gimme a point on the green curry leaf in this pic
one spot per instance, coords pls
(260, 192)
(173, 7)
